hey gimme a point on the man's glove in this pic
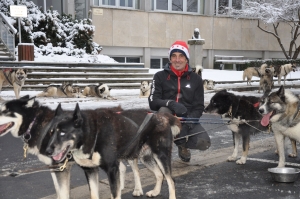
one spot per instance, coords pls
(177, 108)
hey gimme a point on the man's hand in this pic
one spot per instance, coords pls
(177, 108)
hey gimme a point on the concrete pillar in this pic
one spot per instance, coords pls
(147, 57)
(266, 55)
(196, 51)
(209, 61)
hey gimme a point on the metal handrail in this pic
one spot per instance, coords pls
(7, 34)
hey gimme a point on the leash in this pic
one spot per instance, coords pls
(187, 136)
(26, 137)
(6, 76)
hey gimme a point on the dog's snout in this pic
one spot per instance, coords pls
(49, 150)
(261, 110)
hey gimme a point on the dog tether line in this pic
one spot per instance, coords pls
(25, 138)
(187, 136)
(4, 72)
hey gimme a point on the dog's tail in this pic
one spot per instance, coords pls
(244, 75)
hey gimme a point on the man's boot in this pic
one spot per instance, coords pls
(184, 153)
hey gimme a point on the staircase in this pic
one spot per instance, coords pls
(4, 53)
(123, 77)
(7, 39)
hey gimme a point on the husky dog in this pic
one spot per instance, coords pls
(64, 90)
(13, 77)
(254, 71)
(244, 119)
(27, 119)
(198, 70)
(208, 84)
(77, 92)
(281, 109)
(102, 137)
(101, 90)
(284, 70)
(145, 89)
(266, 81)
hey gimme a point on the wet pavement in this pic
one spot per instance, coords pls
(208, 175)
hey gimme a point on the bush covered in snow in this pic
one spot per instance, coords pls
(53, 33)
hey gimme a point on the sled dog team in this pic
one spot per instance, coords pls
(94, 138)
(104, 138)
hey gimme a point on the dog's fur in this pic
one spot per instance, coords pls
(27, 119)
(266, 82)
(13, 77)
(145, 89)
(284, 70)
(77, 91)
(198, 70)
(254, 71)
(61, 91)
(208, 84)
(240, 110)
(281, 109)
(100, 90)
(102, 137)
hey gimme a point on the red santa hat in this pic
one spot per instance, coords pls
(181, 47)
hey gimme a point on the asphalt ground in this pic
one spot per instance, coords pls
(208, 175)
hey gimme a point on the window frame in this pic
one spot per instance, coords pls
(154, 4)
(229, 5)
(117, 5)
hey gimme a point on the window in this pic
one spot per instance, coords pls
(127, 59)
(80, 9)
(222, 4)
(187, 6)
(157, 63)
(117, 3)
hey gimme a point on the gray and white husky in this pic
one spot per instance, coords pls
(281, 109)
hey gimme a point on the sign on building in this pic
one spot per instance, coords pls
(18, 11)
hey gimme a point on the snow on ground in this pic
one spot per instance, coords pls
(129, 98)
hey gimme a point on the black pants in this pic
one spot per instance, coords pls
(200, 140)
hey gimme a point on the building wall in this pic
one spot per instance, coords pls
(158, 30)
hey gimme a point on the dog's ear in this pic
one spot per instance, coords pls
(58, 110)
(30, 102)
(109, 89)
(102, 90)
(77, 117)
(280, 92)
(25, 71)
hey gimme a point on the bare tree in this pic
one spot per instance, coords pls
(274, 13)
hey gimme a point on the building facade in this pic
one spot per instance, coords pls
(143, 30)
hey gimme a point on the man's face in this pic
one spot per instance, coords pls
(178, 61)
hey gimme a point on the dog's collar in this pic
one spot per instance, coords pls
(27, 135)
(145, 91)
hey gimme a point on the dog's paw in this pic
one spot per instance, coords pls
(152, 193)
(242, 160)
(292, 155)
(137, 192)
(231, 159)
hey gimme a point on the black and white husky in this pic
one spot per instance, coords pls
(103, 138)
(25, 118)
(281, 109)
(242, 111)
